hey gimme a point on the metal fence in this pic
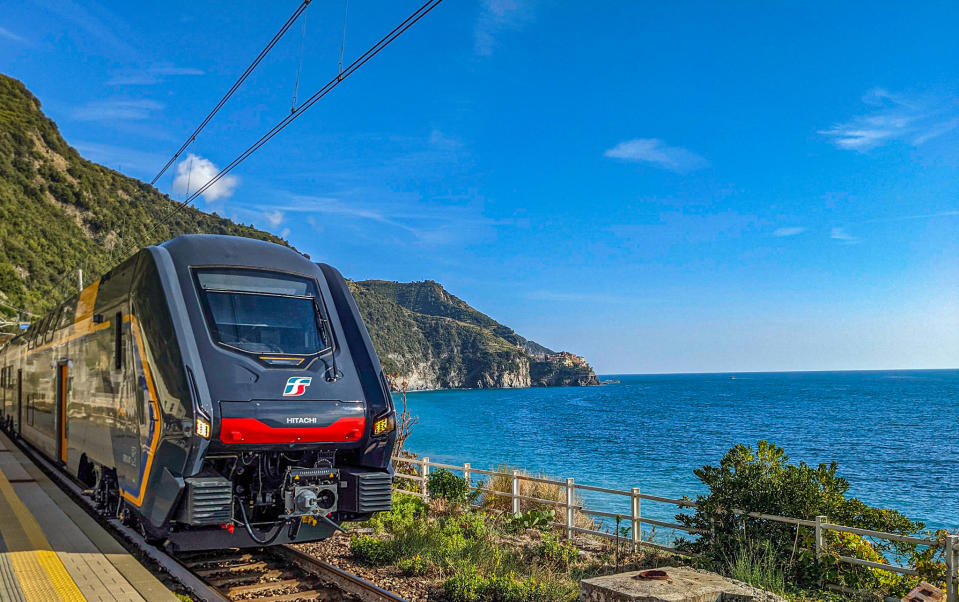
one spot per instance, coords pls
(635, 519)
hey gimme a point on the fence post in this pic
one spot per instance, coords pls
(570, 517)
(425, 475)
(515, 492)
(636, 516)
(952, 595)
(467, 475)
(819, 521)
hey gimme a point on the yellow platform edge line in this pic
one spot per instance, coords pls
(35, 586)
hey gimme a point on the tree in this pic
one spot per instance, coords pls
(762, 480)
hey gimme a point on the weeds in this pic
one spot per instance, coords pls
(755, 563)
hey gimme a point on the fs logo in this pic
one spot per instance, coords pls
(296, 386)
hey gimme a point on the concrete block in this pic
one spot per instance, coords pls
(682, 584)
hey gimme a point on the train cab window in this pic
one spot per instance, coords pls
(262, 312)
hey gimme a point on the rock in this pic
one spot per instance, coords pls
(682, 584)
(925, 592)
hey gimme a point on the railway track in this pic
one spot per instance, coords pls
(279, 574)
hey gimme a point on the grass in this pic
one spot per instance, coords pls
(755, 563)
(502, 481)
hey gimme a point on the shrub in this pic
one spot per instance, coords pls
(473, 525)
(414, 566)
(551, 550)
(504, 588)
(466, 585)
(445, 485)
(407, 509)
(761, 480)
(372, 550)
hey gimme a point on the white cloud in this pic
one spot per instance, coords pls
(6, 33)
(895, 117)
(153, 74)
(285, 233)
(496, 17)
(117, 109)
(195, 171)
(789, 231)
(274, 218)
(655, 151)
(841, 235)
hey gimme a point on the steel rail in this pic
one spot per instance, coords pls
(348, 582)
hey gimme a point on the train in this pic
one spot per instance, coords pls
(211, 391)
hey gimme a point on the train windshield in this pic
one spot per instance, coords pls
(262, 312)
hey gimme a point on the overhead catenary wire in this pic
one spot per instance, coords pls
(299, 67)
(276, 38)
(326, 89)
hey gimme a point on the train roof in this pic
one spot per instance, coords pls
(218, 249)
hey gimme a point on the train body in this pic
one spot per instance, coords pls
(213, 391)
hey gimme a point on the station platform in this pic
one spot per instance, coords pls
(51, 549)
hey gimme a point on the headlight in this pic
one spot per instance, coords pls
(384, 425)
(202, 427)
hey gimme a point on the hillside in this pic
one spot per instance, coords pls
(60, 213)
(499, 356)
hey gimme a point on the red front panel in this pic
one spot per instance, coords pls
(251, 430)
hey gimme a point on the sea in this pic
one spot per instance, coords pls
(894, 434)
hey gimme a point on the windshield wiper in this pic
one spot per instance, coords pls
(328, 332)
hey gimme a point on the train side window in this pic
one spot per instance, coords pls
(118, 341)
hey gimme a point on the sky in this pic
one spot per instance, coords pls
(671, 187)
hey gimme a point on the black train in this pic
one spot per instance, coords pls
(215, 391)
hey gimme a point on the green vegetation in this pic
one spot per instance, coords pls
(466, 547)
(756, 564)
(761, 480)
(531, 519)
(444, 485)
(431, 299)
(60, 213)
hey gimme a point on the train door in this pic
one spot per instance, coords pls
(60, 412)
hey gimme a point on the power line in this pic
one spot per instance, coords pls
(299, 67)
(233, 88)
(354, 66)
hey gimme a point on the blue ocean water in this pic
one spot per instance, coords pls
(895, 434)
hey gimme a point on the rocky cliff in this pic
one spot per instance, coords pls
(434, 339)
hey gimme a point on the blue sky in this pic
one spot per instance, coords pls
(662, 188)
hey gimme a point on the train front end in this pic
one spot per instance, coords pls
(292, 423)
